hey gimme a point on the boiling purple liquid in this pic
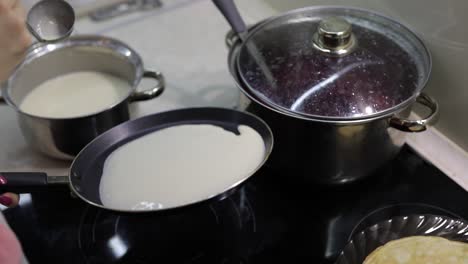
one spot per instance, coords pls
(376, 76)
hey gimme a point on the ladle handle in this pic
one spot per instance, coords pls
(229, 10)
(24, 182)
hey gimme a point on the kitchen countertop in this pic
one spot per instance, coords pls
(185, 41)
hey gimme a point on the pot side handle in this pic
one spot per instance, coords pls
(231, 38)
(418, 125)
(153, 92)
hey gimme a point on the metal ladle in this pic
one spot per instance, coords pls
(232, 16)
(51, 20)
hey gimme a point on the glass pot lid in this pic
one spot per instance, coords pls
(333, 63)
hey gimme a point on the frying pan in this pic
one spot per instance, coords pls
(86, 170)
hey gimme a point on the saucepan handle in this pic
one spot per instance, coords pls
(153, 92)
(2, 100)
(407, 125)
(231, 38)
(28, 182)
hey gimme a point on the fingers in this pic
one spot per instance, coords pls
(15, 38)
(15, 3)
(10, 249)
(4, 8)
(22, 44)
(11, 3)
(9, 199)
(25, 37)
(13, 27)
(7, 5)
(19, 10)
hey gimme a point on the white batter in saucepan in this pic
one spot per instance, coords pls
(75, 94)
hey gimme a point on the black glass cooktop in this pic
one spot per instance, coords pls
(271, 219)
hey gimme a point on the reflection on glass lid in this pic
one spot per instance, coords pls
(335, 62)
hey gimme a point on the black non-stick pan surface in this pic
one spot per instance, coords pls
(86, 170)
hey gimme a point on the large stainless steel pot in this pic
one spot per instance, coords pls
(63, 138)
(340, 147)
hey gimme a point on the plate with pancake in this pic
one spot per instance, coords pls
(412, 239)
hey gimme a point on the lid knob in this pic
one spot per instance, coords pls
(334, 36)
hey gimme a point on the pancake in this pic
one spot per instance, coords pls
(179, 165)
(420, 250)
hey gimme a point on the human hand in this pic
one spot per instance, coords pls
(10, 248)
(8, 199)
(15, 38)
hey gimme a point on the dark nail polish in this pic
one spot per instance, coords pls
(5, 200)
(3, 180)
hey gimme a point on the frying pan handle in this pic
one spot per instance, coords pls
(24, 182)
(2, 100)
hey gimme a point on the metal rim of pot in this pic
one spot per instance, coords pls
(396, 122)
(234, 44)
(39, 49)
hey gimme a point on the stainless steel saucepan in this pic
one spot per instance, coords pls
(335, 83)
(63, 138)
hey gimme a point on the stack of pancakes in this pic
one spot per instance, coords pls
(420, 250)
